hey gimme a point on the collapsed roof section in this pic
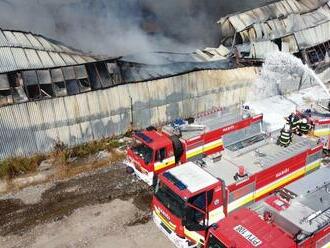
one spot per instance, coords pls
(33, 67)
(301, 27)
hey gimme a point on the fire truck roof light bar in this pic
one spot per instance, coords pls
(175, 181)
(144, 137)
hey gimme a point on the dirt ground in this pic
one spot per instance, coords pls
(107, 208)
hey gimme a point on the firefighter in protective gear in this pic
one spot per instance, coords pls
(304, 126)
(285, 137)
(293, 120)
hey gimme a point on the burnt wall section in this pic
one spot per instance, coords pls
(32, 127)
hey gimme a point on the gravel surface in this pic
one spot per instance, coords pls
(106, 208)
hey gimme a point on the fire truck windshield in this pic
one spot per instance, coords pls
(215, 243)
(143, 151)
(170, 200)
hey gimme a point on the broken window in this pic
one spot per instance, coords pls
(72, 85)
(19, 94)
(45, 83)
(318, 53)
(5, 93)
(114, 72)
(81, 76)
(59, 86)
(15, 79)
(94, 77)
(16, 84)
(104, 75)
(30, 80)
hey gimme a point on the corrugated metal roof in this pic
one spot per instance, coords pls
(276, 10)
(313, 36)
(278, 28)
(22, 50)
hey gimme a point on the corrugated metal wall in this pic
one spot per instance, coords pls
(35, 126)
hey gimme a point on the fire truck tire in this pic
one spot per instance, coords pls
(177, 148)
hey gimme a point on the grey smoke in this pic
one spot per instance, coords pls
(117, 27)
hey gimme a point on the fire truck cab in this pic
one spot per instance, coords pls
(298, 216)
(155, 151)
(193, 196)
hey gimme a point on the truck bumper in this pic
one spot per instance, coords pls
(147, 178)
(177, 241)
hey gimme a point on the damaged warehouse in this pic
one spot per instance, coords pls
(52, 93)
(299, 27)
(33, 67)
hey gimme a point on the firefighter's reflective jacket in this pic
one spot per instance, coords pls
(304, 126)
(294, 121)
(285, 137)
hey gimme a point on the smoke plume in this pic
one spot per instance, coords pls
(118, 27)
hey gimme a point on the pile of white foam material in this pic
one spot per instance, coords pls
(282, 73)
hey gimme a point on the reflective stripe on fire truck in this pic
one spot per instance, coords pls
(216, 215)
(204, 148)
(322, 132)
(166, 162)
(199, 239)
(270, 187)
(168, 224)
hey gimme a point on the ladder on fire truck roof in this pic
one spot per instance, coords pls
(283, 154)
(322, 218)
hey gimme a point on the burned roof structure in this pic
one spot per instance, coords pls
(33, 67)
(301, 27)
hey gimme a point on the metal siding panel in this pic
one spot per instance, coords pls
(46, 59)
(46, 45)
(24, 137)
(8, 144)
(67, 59)
(313, 36)
(22, 39)
(58, 61)
(61, 120)
(12, 41)
(34, 41)
(33, 58)
(79, 59)
(3, 40)
(37, 124)
(87, 132)
(20, 58)
(7, 62)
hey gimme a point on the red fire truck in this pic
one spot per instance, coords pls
(296, 217)
(155, 151)
(191, 197)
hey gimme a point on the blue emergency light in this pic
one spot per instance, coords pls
(143, 137)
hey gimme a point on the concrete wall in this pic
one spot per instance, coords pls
(35, 126)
